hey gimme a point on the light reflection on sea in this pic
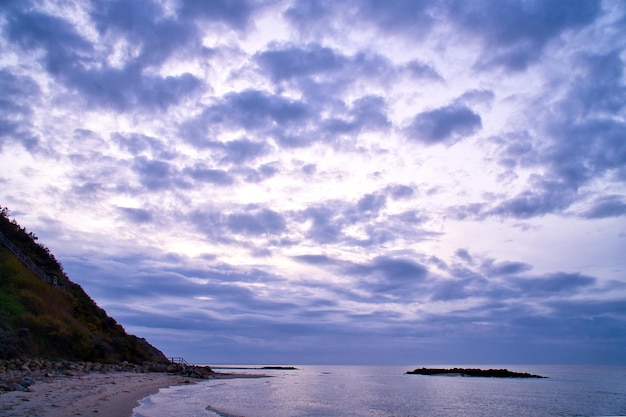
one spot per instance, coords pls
(387, 391)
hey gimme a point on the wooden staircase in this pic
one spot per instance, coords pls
(50, 279)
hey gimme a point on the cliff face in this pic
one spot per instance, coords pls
(39, 319)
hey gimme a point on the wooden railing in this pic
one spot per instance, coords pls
(179, 360)
(50, 279)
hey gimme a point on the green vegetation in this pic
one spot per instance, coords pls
(62, 322)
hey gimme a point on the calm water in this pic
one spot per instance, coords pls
(331, 391)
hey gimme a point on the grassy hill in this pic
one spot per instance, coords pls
(40, 320)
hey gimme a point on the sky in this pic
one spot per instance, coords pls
(322, 182)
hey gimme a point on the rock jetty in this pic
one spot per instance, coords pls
(491, 373)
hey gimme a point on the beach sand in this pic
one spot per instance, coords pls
(94, 394)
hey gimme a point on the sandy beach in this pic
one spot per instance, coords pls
(110, 395)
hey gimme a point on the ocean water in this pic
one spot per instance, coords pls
(333, 391)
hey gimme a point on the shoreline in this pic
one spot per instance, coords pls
(113, 394)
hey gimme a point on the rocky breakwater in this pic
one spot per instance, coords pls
(488, 373)
(22, 374)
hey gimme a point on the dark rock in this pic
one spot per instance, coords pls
(491, 373)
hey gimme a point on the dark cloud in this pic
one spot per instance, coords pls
(234, 13)
(370, 112)
(137, 144)
(458, 288)
(56, 36)
(260, 222)
(421, 70)
(259, 174)
(126, 88)
(371, 203)
(309, 169)
(321, 72)
(609, 206)
(414, 17)
(586, 140)
(545, 197)
(315, 259)
(444, 125)
(243, 150)
(464, 255)
(385, 276)
(366, 113)
(250, 110)
(135, 215)
(398, 192)
(600, 89)
(327, 223)
(155, 174)
(410, 217)
(337, 126)
(554, 283)
(311, 15)
(505, 268)
(201, 173)
(515, 32)
(19, 93)
(285, 62)
(69, 58)
(473, 97)
(580, 141)
(144, 23)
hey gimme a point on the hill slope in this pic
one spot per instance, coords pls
(40, 320)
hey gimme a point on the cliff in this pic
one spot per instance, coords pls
(44, 314)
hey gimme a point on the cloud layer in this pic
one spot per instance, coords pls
(311, 181)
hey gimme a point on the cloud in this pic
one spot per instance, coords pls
(315, 259)
(285, 62)
(386, 277)
(580, 142)
(139, 144)
(259, 222)
(123, 89)
(505, 268)
(201, 173)
(515, 33)
(548, 196)
(243, 150)
(608, 206)
(136, 215)
(262, 173)
(553, 283)
(444, 125)
(250, 110)
(19, 93)
(371, 203)
(423, 71)
(464, 255)
(399, 191)
(327, 223)
(57, 37)
(69, 56)
(156, 174)
(405, 16)
(144, 25)
(234, 13)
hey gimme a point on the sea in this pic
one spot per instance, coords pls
(346, 391)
